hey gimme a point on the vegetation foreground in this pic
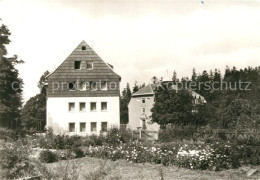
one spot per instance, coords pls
(117, 156)
(93, 168)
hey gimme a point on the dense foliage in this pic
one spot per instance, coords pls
(34, 111)
(10, 83)
(172, 106)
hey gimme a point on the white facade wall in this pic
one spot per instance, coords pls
(59, 117)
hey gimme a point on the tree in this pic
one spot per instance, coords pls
(172, 107)
(34, 111)
(10, 83)
(194, 75)
(126, 93)
(240, 114)
(154, 80)
(124, 101)
(174, 77)
(42, 81)
(135, 88)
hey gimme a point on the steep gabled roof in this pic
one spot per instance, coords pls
(100, 70)
(147, 90)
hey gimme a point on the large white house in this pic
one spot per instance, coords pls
(83, 94)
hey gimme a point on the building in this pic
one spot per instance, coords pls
(140, 107)
(83, 94)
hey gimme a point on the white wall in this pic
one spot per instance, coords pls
(59, 117)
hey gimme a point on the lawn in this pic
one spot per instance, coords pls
(122, 169)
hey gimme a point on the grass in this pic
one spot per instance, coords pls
(93, 168)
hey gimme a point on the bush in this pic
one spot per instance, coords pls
(78, 152)
(14, 160)
(12, 135)
(48, 156)
(178, 133)
(116, 136)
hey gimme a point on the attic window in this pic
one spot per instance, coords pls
(72, 86)
(83, 48)
(89, 65)
(77, 64)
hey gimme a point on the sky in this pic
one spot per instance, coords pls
(140, 38)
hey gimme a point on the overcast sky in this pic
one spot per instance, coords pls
(139, 38)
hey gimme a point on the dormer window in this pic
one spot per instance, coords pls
(89, 65)
(77, 64)
(83, 48)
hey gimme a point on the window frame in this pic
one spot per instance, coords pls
(95, 106)
(83, 85)
(102, 126)
(102, 106)
(69, 107)
(74, 127)
(80, 127)
(101, 86)
(80, 103)
(75, 63)
(91, 88)
(74, 86)
(92, 65)
(143, 100)
(91, 126)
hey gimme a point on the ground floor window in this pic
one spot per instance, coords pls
(93, 126)
(82, 127)
(104, 126)
(71, 127)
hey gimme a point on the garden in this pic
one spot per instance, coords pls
(34, 155)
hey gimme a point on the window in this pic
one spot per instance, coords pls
(93, 126)
(93, 86)
(89, 65)
(103, 106)
(82, 86)
(77, 64)
(71, 107)
(143, 109)
(82, 106)
(143, 100)
(83, 48)
(71, 127)
(82, 127)
(103, 85)
(104, 126)
(93, 106)
(72, 86)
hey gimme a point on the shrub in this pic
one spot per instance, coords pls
(116, 136)
(12, 135)
(178, 133)
(48, 156)
(14, 160)
(78, 152)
